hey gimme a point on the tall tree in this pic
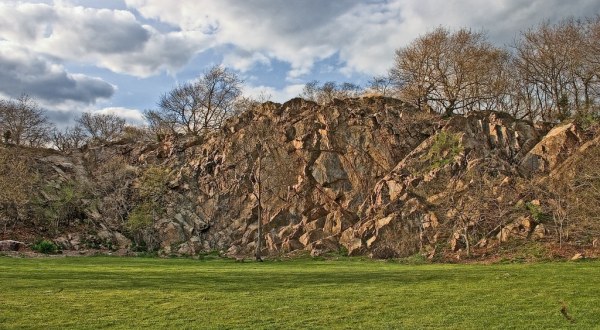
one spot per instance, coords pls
(23, 122)
(558, 66)
(70, 138)
(270, 177)
(200, 105)
(262, 167)
(450, 71)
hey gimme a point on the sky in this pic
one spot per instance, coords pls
(119, 56)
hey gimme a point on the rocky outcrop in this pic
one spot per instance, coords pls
(436, 194)
(330, 159)
(10, 245)
(556, 146)
(373, 176)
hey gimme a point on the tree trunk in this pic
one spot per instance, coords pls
(259, 234)
(467, 243)
(260, 210)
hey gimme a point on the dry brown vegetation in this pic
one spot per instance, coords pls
(550, 73)
(17, 182)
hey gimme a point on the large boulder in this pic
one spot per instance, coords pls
(11, 245)
(552, 150)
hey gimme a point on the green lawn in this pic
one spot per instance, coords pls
(107, 292)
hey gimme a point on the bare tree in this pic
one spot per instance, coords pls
(381, 85)
(573, 197)
(101, 127)
(23, 122)
(542, 58)
(328, 91)
(258, 192)
(247, 103)
(450, 71)
(160, 124)
(112, 185)
(70, 138)
(270, 179)
(262, 167)
(17, 181)
(558, 68)
(200, 105)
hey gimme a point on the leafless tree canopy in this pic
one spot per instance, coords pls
(551, 73)
(101, 127)
(247, 103)
(381, 85)
(70, 138)
(200, 105)
(450, 72)
(328, 91)
(23, 122)
(557, 69)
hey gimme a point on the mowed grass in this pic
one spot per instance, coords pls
(131, 293)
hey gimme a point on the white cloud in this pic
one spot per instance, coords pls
(163, 52)
(109, 38)
(274, 94)
(244, 61)
(133, 116)
(38, 39)
(296, 32)
(363, 33)
(22, 71)
(65, 115)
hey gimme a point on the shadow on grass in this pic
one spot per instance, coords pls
(221, 276)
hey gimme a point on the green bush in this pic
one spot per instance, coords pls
(59, 204)
(140, 225)
(445, 147)
(45, 246)
(587, 119)
(141, 217)
(536, 212)
(151, 187)
(153, 183)
(415, 259)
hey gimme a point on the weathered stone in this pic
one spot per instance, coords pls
(172, 233)
(314, 225)
(105, 235)
(539, 232)
(122, 241)
(311, 236)
(328, 169)
(273, 242)
(11, 245)
(552, 150)
(355, 247)
(290, 245)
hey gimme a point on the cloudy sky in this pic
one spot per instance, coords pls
(119, 55)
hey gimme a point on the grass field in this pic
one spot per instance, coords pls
(129, 293)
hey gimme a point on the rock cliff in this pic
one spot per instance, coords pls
(370, 176)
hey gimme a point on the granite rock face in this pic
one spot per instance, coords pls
(370, 176)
